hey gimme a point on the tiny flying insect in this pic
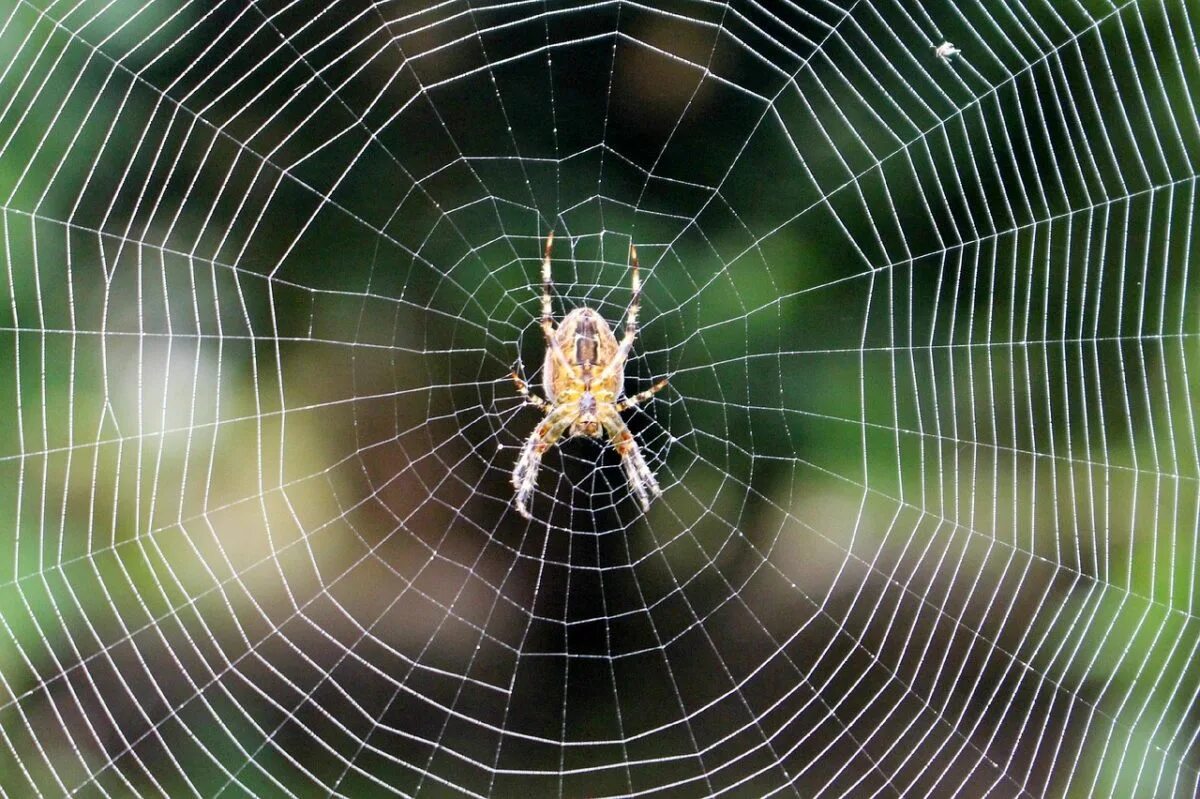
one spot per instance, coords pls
(946, 51)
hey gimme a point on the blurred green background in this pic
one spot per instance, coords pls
(928, 450)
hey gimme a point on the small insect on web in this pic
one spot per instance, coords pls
(583, 376)
(946, 51)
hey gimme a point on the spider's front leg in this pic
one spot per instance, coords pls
(524, 476)
(637, 471)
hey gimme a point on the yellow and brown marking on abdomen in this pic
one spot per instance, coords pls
(589, 346)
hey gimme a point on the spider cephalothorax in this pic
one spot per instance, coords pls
(583, 377)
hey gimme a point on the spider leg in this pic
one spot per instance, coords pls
(548, 431)
(530, 397)
(637, 472)
(547, 306)
(631, 317)
(641, 397)
(552, 347)
(635, 302)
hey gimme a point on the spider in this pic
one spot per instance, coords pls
(583, 377)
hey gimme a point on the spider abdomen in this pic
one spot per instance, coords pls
(589, 347)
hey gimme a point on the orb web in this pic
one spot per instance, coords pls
(918, 275)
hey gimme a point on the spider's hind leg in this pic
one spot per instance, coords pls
(631, 319)
(547, 305)
(635, 301)
(552, 345)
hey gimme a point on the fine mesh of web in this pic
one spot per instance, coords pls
(928, 449)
